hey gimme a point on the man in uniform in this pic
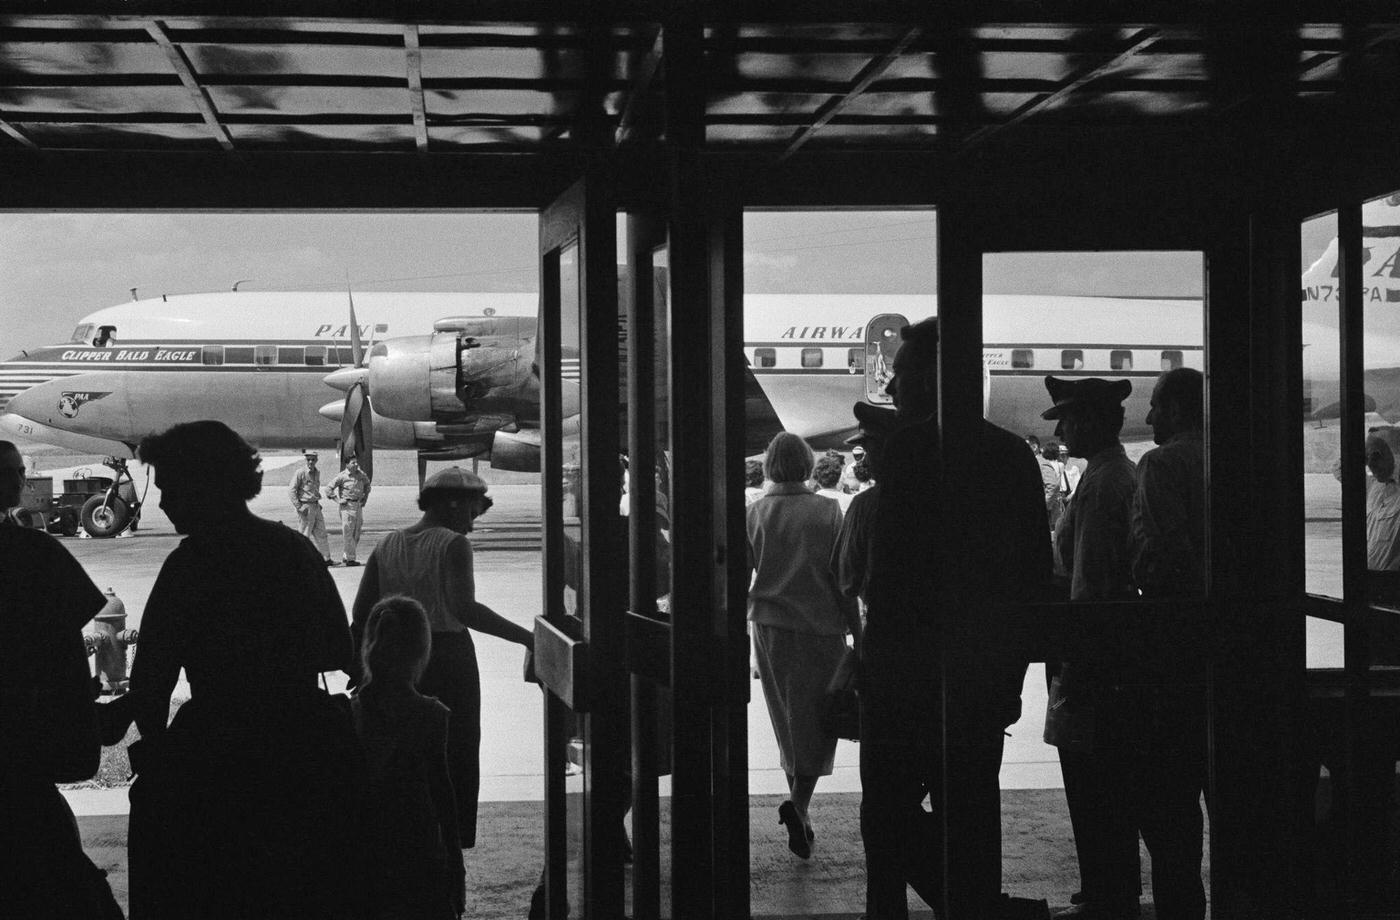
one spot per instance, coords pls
(941, 675)
(1091, 553)
(350, 490)
(306, 499)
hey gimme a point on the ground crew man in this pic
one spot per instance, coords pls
(306, 498)
(350, 489)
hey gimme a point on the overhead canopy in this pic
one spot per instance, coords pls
(517, 77)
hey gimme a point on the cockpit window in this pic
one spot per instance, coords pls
(83, 333)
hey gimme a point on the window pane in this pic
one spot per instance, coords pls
(238, 354)
(1381, 373)
(811, 357)
(855, 359)
(1022, 358)
(316, 355)
(1171, 360)
(1321, 411)
(291, 354)
(1072, 360)
(213, 354)
(265, 354)
(1120, 360)
(765, 357)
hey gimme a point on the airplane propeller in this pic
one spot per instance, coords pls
(356, 422)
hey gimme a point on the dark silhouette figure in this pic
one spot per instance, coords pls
(431, 562)
(1168, 557)
(1092, 555)
(850, 560)
(242, 806)
(940, 675)
(408, 816)
(47, 720)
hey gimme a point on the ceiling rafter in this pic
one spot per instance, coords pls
(871, 72)
(156, 29)
(14, 133)
(413, 62)
(647, 69)
(1140, 42)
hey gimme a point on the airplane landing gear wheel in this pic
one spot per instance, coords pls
(105, 518)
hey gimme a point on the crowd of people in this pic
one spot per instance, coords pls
(267, 796)
(939, 564)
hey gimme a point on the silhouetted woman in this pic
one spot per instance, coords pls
(431, 562)
(242, 806)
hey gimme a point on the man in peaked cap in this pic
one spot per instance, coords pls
(1092, 554)
(941, 672)
(305, 492)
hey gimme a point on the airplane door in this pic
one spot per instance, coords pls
(881, 342)
(579, 639)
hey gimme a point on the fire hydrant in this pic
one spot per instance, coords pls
(107, 637)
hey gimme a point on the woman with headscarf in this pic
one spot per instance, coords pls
(242, 804)
(431, 562)
(800, 620)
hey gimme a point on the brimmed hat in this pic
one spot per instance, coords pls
(1092, 391)
(455, 479)
(873, 420)
(310, 453)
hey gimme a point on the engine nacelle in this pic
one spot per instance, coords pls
(518, 452)
(450, 375)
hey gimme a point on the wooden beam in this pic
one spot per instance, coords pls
(1139, 42)
(646, 72)
(15, 133)
(868, 75)
(413, 62)
(181, 64)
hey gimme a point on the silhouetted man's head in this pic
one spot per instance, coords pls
(1090, 412)
(914, 385)
(1178, 404)
(11, 476)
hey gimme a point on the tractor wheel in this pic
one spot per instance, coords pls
(103, 518)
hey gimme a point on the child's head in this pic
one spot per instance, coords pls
(397, 641)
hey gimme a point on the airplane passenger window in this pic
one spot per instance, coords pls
(1022, 358)
(1120, 360)
(855, 359)
(1171, 360)
(291, 354)
(315, 356)
(765, 357)
(213, 354)
(265, 354)
(345, 355)
(811, 357)
(238, 354)
(1072, 359)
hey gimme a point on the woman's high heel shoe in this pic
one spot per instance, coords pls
(798, 840)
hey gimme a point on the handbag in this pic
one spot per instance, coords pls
(1069, 728)
(841, 711)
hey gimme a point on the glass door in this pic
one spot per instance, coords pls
(579, 638)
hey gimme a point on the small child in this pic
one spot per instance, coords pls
(408, 825)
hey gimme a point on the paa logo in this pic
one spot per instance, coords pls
(70, 403)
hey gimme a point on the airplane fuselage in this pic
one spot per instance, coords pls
(259, 362)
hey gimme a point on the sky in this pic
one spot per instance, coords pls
(57, 267)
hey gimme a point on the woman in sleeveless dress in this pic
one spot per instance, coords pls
(431, 562)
